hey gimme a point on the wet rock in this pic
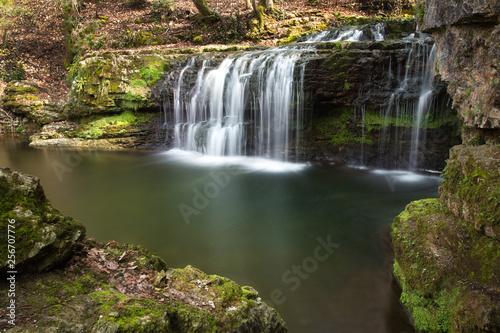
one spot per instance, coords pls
(44, 238)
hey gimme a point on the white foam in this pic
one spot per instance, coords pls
(404, 176)
(243, 163)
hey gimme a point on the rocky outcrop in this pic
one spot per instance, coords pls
(127, 130)
(471, 187)
(447, 250)
(113, 82)
(448, 270)
(22, 98)
(126, 288)
(468, 55)
(84, 286)
(41, 236)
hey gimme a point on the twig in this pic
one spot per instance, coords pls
(11, 120)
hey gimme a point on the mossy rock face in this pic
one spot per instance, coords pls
(113, 82)
(22, 98)
(42, 236)
(126, 288)
(125, 130)
(471, 186)
(448, 271)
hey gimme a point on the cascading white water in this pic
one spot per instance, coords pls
(245, 103)
(252, 102)
(412, 99)
(424, 103)
(350, 34)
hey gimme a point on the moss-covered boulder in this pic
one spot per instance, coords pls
(447, 250)
(113, 82)
(448, 271)
(126, 288)
(39, 235)
(23, 99)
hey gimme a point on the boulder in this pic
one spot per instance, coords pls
(42, 236)
(471, 187)
(448, 271)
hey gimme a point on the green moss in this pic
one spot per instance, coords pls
(420, 12)
(335, 128)
(197, 40)
(437, 257)
(136, 83)
(112, 125)
(132, 101)
(152, 72)
(476, 186)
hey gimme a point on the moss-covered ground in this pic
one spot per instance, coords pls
(126, 288)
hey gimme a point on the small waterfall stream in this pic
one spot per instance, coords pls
(411, 101)
(252, 103)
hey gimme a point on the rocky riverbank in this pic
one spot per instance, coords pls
(448, 250)
(67, 283)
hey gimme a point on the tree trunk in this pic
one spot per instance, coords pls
(267, 4)
(255, 5)
(204, 10)
(248, 4)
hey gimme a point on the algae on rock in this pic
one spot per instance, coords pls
(113, 82)
(44, 237)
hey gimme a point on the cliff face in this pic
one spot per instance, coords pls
(468, 55)
(447, 250)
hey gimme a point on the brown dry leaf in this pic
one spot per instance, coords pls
(94, 253)
(121, 288)
(112, 243)
(111, 265)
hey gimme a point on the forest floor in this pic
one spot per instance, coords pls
(42, 42)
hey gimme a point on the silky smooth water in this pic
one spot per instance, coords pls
(262, 223)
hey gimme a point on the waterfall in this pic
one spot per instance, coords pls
(423, 104)
(243, 106)
(411, 101)
(252, 103)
